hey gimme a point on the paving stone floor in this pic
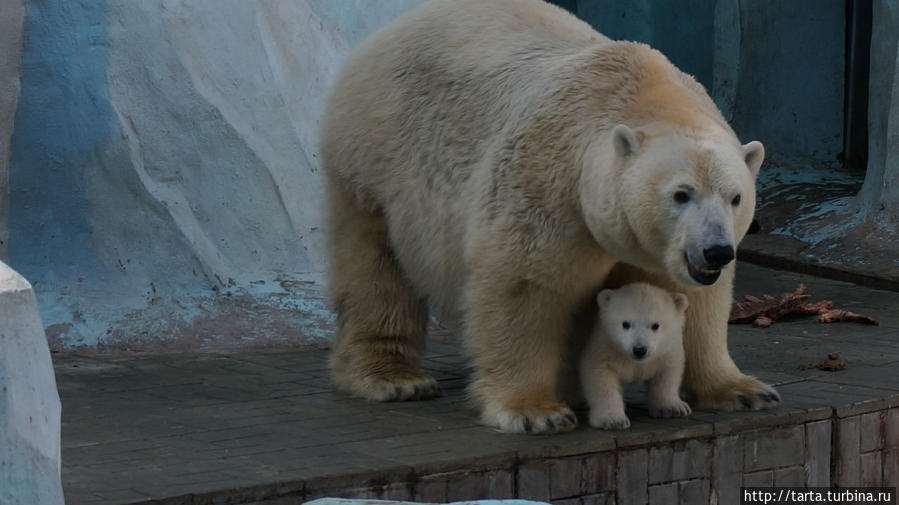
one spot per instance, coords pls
(245, 426)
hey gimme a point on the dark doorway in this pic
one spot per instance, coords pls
(858, 58)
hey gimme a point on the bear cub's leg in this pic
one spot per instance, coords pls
(602, 390)
(381, 323)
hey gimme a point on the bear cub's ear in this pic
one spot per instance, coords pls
(626, 140)
(604, 296)
(754, 154)
(680, 301)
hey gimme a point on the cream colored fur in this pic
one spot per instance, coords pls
(473, 171)
(637, 315)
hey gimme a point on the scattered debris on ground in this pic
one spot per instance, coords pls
(762, 312)
(837, 316)
(832, 363)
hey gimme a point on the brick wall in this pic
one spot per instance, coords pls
(852, 450)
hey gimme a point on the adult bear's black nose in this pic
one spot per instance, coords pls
(639, 351)
(719, 255)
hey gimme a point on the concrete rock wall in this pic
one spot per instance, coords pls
(163, 164)
(880, 194)
(12, 14)
(774, 68)
(164, 167)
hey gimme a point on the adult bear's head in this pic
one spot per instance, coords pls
(671, 200)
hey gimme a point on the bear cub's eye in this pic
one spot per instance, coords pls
(626, 325)
(655, 326)
(735, 201)
(681, 197)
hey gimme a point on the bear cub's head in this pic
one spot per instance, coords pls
(642, 321)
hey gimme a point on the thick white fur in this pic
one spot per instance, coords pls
(474, 169)
(627, 316)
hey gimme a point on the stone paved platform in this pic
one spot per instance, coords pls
(266, 427)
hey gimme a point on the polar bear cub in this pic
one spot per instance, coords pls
(638, 337)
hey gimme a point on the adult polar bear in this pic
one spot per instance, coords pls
(499, 162)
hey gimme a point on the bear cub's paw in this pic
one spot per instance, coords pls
(609, 420)
(672, 408)
(552, 417)
(744, 393)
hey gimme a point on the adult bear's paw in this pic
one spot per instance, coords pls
(390, 385)
(544, 418)
(743, 393)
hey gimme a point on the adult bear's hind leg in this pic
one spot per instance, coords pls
(381, 323)
(516, 333)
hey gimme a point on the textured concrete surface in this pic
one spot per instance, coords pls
(164, 155)
(810, 221)
(29, 403)
(774, 68)
(837, 222)
(880, 194)
(12, 15)
(263, 426)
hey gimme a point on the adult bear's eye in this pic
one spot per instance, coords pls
(655, 326)
(626, 325)
(735, 201)
(681, 197)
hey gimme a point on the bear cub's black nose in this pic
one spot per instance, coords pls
(719, 255)
(639, 351)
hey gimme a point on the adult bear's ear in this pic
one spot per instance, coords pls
(602, 299)
(626, 140)
(680, 301)
(754, 154)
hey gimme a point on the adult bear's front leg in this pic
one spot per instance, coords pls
(711, 377)
(516, 332)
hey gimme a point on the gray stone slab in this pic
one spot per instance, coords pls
(566, 476)
(890, 464)
(871, 431)
(871, 469)
(727, 468)
(498, 484)
(533, 480)
(773, 447)
(598, 474)
(818, 451)
(848, 471)
(632, 477)
(793, 476)
(764, 478)
(646, 430)
(664, 494)
(694, 491)
(598, 499)
(891, 428)
(680, 461)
